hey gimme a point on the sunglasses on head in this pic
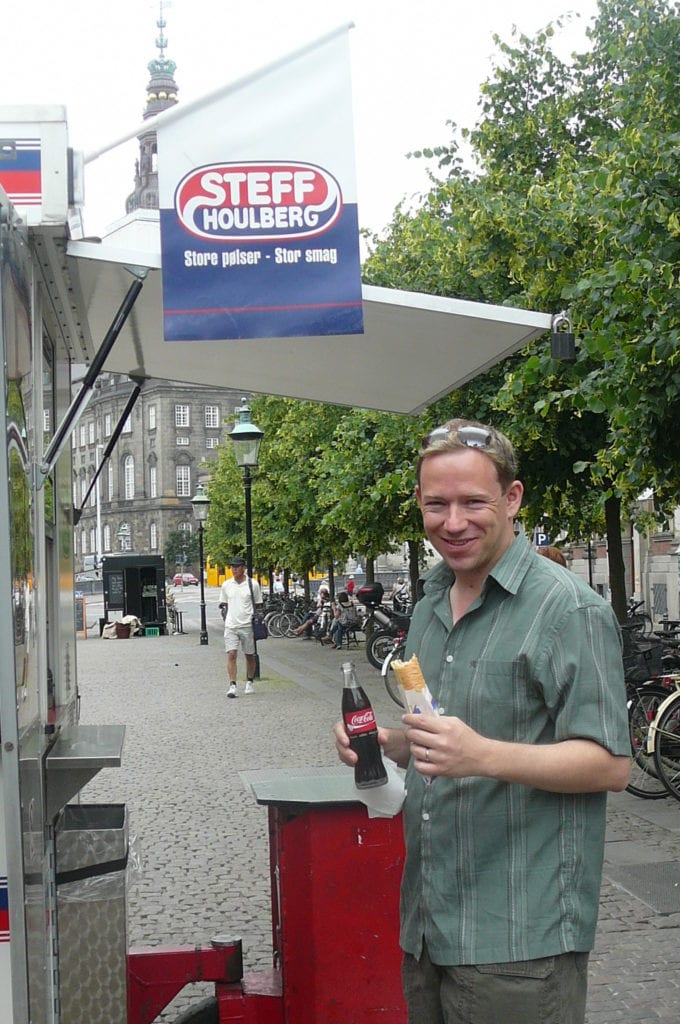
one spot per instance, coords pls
(471, 437)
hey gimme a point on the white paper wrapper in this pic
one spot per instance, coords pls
(385, 801)
(419, 702)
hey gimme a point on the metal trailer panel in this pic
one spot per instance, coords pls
(15, 351)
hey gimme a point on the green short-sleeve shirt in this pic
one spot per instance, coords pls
(497, 872)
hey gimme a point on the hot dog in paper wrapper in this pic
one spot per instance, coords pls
(417, 697)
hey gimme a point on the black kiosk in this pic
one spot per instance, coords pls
(135, 585)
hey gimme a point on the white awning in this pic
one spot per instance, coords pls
(415, 349)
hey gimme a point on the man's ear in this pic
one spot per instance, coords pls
(513, 497)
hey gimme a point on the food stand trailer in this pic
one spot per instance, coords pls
(67, 302)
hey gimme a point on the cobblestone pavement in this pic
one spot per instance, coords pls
(202, 839)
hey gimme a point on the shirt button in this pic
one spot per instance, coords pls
(449, 657)
(426, 816)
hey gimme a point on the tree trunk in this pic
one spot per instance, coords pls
(414, 568)
(617, 572)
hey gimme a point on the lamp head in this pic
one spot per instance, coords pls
(246, 438)
(200, 503)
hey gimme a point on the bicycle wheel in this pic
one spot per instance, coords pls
(643, 704)
(275, 624)
(387, 672)
(667, 748)
(640, 624)
(288, 623)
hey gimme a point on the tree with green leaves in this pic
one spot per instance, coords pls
(573, 203)
(181, 551)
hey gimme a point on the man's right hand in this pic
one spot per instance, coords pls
(393, 742)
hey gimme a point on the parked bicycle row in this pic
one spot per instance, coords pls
(652, 671)
(362, 617)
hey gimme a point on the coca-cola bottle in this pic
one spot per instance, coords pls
(359, 720)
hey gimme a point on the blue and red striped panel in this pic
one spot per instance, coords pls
(20, 171)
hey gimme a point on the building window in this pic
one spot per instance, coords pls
(183, 481)
(46, 421)
(73, 439)
(107, 424)
(83, 542)
(107, 538)
(153, 537)
(125, 537)
(127, 426)
(83, 435)
(152, 417)
(182, 439)
(185, 527)
(109, 496)
(212, 416)
(212, 442)
(129, 470)
(181, 415)
(83, 489)
(75, 491)
(90, 432)
(153, 481)
(93, 541)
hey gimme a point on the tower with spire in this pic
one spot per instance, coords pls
(161, 93)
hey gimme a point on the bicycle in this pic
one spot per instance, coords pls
(644, 701)
(387, 673)
(638, 622)
(664, 741)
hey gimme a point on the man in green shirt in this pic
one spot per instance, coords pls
(506, 787)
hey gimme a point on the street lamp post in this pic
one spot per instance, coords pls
(201, 504)
(247, 438)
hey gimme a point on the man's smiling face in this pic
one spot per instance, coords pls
(467, 516)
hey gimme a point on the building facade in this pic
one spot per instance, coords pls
(164, 451)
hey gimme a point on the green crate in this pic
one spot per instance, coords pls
(152, 631)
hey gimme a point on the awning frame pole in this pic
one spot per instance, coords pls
(77, 406)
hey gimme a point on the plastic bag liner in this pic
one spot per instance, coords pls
(92, 855)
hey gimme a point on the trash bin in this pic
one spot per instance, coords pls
(92, 852)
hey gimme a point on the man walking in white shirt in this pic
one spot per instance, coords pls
(240, 596)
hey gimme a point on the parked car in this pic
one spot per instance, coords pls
(184, 579)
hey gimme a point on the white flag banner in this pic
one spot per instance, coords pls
(257, 193)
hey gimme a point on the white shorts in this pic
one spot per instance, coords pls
(239, 638)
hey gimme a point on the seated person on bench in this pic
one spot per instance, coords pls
(344, 620)
(306, 629)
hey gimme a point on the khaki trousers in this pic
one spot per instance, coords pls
(551, 990)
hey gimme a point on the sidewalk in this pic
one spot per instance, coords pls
(203, 839)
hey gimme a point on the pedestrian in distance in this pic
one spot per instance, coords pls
(239, 597)
(400, 594)
(504, 812)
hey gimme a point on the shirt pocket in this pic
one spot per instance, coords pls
(498, 697)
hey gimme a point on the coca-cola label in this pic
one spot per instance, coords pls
(357, 722)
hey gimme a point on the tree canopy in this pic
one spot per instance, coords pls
(572, 203)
